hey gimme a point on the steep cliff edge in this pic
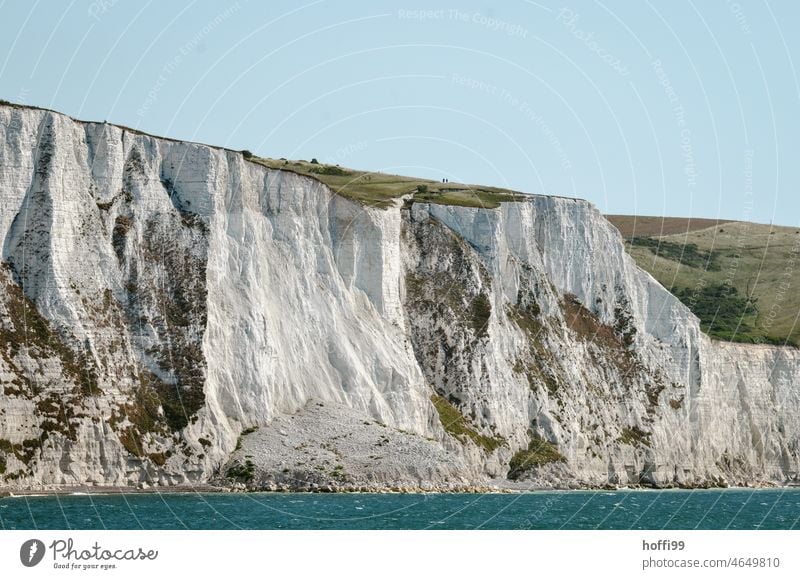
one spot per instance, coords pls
(175, 314)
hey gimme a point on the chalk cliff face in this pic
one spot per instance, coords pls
(162, 298)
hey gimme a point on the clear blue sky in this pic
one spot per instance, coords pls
(684, 107)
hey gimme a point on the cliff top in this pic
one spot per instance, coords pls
(378, 189)
(372, 188)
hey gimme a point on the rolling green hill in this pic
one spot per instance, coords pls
(741, 279)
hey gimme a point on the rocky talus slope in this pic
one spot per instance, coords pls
(174, 314)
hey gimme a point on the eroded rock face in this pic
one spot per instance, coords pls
(160, 298)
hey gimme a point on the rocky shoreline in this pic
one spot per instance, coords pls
(496, 487)
(492, 487)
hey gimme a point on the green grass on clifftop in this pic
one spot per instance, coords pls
(381, 189)
(741, 279)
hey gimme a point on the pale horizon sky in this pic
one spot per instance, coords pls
(682, 108)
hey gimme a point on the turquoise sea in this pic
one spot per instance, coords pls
(673, 509)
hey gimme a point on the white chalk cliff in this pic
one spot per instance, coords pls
(161, 298)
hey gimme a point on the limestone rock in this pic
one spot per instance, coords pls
(162, 298)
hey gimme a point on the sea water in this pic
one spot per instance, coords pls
(671, 509)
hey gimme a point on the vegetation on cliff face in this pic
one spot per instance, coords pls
(538, 453)
(634, 436)
(25, 336)
(24, 329)
(242, 472)
(455, 424)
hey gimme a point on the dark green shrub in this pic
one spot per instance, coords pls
(245, 472)
(329, 170)
(480, 311)
(538, 453)
(686, 254)
(635, 436)
(722, 312)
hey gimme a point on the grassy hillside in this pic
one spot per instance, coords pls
(741, 279)
(380, 189)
